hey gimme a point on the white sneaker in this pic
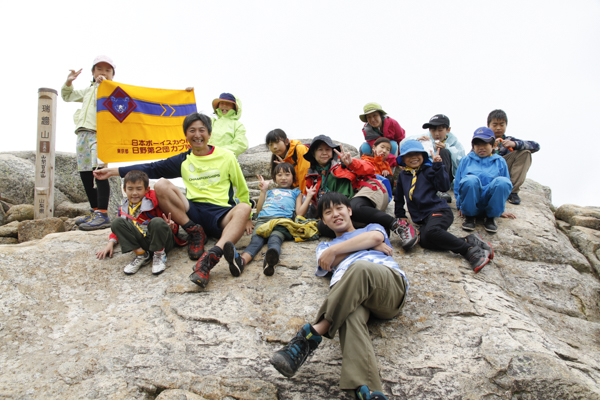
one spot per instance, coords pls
(137, 263)
(159, 262)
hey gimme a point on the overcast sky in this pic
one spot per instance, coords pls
(309, 67)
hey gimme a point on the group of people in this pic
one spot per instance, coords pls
(339, 196)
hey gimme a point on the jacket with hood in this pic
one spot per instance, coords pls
(378, 162)
(227, 130)
(85, 117)
(391, 130)
(360, 173)
(295, 156)
(486, 169)
(148, 210)
(457, 151)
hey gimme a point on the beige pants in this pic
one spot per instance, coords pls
(518, 162)
(366, 288)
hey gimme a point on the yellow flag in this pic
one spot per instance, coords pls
(137, 123)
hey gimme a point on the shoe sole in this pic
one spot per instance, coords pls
(468, 228)
(413, 242)
(280, 364)
(490, 230)
(272, 258)
(229, 254)
(160, 272)
(480, 239)
(481, 266)
(82, 227)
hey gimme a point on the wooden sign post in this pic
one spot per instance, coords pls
(44, 160)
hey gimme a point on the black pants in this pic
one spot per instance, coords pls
(363, 213)
(447, 161)
(158, 237)
(435, 236)
(98, 196)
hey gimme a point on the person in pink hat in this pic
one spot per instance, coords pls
(85, 129)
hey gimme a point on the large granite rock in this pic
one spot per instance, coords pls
(525, 327)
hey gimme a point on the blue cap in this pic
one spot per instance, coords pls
(485, 134)
(412, 146)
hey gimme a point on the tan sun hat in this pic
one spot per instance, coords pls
(370, 108)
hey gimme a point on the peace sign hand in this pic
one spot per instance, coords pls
(168, 220)
(279, 160)
(264, 185)
(436, 157)
(344, 156)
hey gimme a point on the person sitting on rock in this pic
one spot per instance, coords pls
(334, 170)
(482, 183)
(379, 124)
(228, 132)
(289, 151)
(277, 203)
(209, 174)
(379, 158)
(517, 153)
(366, 280)
(418, 184)
(142, 227)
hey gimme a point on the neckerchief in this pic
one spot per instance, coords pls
(413, 171)
(132, 211)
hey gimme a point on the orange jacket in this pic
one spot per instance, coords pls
(379, 163)
(295, 156)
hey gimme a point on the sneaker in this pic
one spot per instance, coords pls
(444, 196)
(85, 218)
(363, 393)
(514, 198)
(202, 269)
(478, 258)
(196, 240)
(406, 232)
(490, 225)
(469, 224)
(138, 262)
(236, 262)
(292, 355)
(99, 220)
(271, 260)
(159, 262)
(474, 239)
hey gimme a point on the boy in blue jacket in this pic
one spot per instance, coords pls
(482, 183)
(419, 183)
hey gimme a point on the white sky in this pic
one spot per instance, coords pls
(309, 67)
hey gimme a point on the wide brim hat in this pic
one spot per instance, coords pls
(370, 108)
(105, 59)
(310, 156)
(411, 146)
(437, 120)
(485, 134)
(227, 97)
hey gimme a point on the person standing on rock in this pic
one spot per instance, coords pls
(209, 174)
(366, 280)
(87, 155)
(228, 132)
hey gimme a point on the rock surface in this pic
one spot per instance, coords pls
(38, 228)
(525, 327)
(20, 212)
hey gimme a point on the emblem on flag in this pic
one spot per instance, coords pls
(119, 104)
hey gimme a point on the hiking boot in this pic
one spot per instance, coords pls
(514, 198)
(490, 225)
(271, 260)
(236, 262)
(469, 223)
(99, 220)
(474, 239)
(444, 196)
(85, 218)
(137, 263)
(292, 355)
(363, 393)
(196, 240)
(478, 258)
(202, 269)
(159, 262)
(406, 232)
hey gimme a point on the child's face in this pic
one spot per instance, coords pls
(279, 148)
(482, 149)
(323, 154)
(225, 106)
(382, 149)
(338, 218)
(498, 126)
(285, 179)
(135, 191)
(374, 119)
(439, 132)
(197, 136)
(414, 159)
(103, 69)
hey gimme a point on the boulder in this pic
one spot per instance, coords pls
(8, 240)
(588, 217)
(72, 210)
(10, 230)
(588, 242)
(2, 216)
(20, 212)
(38, 228)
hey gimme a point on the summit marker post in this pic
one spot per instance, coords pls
(43, 204)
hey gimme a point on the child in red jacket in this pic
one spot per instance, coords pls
(379, 124)
(142, 227)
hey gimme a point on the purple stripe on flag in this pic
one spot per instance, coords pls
(145, 107)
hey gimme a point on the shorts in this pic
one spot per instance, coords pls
(208, 216)
(87, 153)
(379, 199)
